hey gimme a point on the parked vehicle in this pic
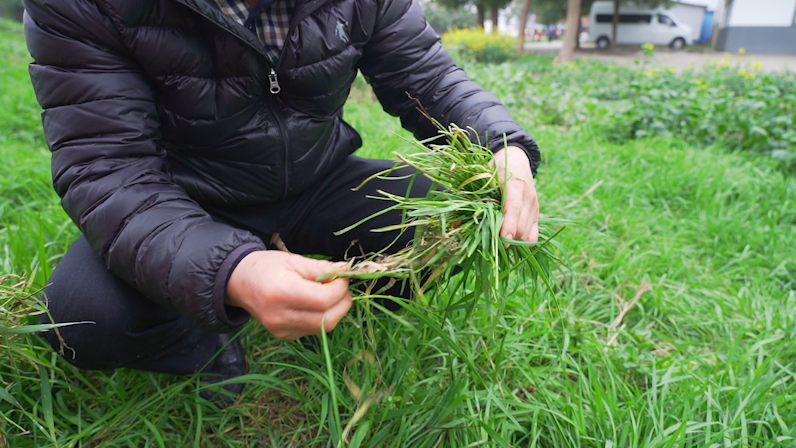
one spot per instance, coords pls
(637, 26)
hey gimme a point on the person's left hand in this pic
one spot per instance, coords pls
(521, 208)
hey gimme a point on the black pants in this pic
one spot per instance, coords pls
(132, 331)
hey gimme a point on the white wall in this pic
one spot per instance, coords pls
(762, 13)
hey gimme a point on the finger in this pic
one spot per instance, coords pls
(311, 269)
(310, 295)
(532, 234)
(524, 222)
(336, 313)
(298, 323)
(528, 233)
(331, 274)
(307, 293)
(511, 210)
(303, 322)
(535, 220)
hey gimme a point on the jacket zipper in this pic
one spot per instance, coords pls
(273, 82)
(304, 10)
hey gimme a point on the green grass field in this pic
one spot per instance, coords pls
(672, 325)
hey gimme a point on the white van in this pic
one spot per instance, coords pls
(636, 26)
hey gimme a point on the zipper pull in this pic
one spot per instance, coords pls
(273, 82)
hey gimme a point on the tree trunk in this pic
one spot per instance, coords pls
(526, 9)
(571, 35)
(494, 10)
(614, 24)
(479, 14)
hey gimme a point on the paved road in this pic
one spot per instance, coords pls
(680, 60)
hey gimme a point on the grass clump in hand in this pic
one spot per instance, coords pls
(457, 258)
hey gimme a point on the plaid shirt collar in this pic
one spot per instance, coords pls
(269, 20)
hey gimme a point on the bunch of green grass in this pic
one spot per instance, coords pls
(22, 363)
(457, 259)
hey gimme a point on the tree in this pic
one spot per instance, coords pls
(573, 29)
(11, 9)
(443, 19)
(614, 25)
(553, 11)
(480, 15)
(526, 9)
(493, 6)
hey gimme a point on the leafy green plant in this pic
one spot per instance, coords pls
(474, 45)
(648, 49)
(729, 102)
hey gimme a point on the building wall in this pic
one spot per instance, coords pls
(691, 15)
(760, 26)
(758, 39)
(762, 13)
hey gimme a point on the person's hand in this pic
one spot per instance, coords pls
(280, 291)
(521, 208)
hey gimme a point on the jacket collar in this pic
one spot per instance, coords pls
(208, 10)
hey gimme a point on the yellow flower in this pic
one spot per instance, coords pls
(742, 50)
(757, 66)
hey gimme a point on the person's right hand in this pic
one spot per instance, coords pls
(279, 290)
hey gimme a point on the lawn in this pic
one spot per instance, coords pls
(671, 324)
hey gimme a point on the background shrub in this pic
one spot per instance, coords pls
(474, 45)
(11, 9)
(444, 19)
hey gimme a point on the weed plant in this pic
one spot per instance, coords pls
(456, 225)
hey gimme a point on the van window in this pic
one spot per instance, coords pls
(625, 18)
(663, 19)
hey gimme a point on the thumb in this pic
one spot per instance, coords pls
(311, 269)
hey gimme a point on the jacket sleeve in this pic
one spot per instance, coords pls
(404, 58)
(101, 124)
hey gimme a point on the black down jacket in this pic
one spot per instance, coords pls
(155, 107)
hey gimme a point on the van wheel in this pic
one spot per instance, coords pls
(603, 43)
(678, 43)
